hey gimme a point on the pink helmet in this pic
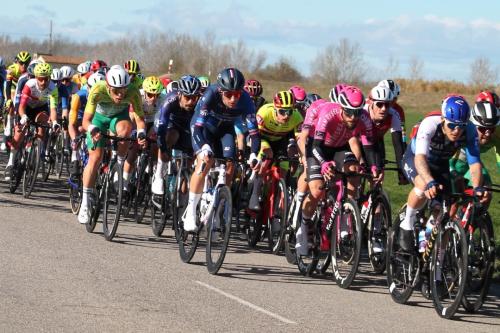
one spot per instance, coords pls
(334, 93)
(351, 97)
(298, 93)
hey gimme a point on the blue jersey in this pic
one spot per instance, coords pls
(212, 114)
(3, 77)
(82, 96)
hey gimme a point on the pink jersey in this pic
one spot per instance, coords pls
(334, 133)
(312, 116)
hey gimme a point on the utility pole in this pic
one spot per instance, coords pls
(50, 38)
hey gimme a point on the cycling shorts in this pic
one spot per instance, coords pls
(104, 124)
(440, 172)
(33, 112)
(341, 156)
(279, 148)
(222, 142)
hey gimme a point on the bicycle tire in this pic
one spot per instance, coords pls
(345, 277)
(113, 193)
(31, 170)
(276, 238)
(97, 203)
(378, 260)
(75, 194)
(142, 190)
(452, 268)
(224, 212)
(289, 234)
(187, 241)
(17, 170)
(158, 221)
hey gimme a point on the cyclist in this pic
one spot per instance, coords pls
(336, 146)
(299, 94)
(3, 77)
(107, 109)
(255, 90)
(83, 74)
(395, 89)
(426, 160)
(205, 82)
(78, 103)
(172, 126)
(99, 65)
(212, 127)
(14, 71)
(134, 70)
(278, 127)
(485, 117)
(38, 96)
(493, 98)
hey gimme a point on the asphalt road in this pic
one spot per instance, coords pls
(56, 277)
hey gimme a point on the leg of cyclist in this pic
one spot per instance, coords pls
(171, 138)
(267, 153)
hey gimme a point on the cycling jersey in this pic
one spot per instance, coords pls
(78, 103)
(435, 145)
(272, 130)
(312, 116)
(150, 110)
(21, 82)
(66, 91)
(99, 101)
(211, 114)
(259, 101)
(3, 76)
(13, 74)
(33, 97)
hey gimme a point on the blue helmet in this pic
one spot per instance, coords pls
(455, 109)
(310, 98)
(189, 85)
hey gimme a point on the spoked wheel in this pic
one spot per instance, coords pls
(47, 163)
(346, 244)
(278, 221)
(402, 267)
(75, 193)
(481, 253)
(307, 265)
(188, 241)
(289, 233)
(142, 194)
(113, 191)
(254, 229)
(448, 269)
(158, 220)
(97, 202)
(219, 230)
(378, 227)
(31, 170)
(17, 171)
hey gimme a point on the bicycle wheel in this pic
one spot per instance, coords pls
(31, 169)
(97, 202)
(113, 191)
(58, 150)
(378, 226)
(142, 191)
(219, 230)
(448, 271)
(158, 220)
(481, 253)
(75, 193)
(346, 244)
(308, 264)
(289, 233)
(278, 221)
(188, 241)
(17, 170)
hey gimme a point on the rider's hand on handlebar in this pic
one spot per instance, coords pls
(24, 119)
(431, 189)
(482, 194)
(206, 153)
(253, 161)
(141, 138)
(328, 169)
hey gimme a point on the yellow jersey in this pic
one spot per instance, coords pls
(272, 130)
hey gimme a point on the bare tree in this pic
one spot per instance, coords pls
(482, 74)
(340, 63)
(392, 67)
(416, 67)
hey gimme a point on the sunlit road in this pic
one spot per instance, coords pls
(56, 277)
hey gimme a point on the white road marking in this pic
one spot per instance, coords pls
(250, 305)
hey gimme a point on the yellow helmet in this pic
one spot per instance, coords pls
(132, 66)
(43, 70)
(283, 100)
(23, 57)
(152, 85)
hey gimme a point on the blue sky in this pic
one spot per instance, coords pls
(446, 35)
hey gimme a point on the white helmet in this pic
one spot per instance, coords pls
(67, 72)
(391, 84)
(117, 77)
(94, 78)
(381, 94)
(174, 85)
(56, 74)
(83, 68)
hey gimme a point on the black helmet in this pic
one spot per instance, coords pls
(484, 114)
(230, 79)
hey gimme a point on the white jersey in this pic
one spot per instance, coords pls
(150, 110)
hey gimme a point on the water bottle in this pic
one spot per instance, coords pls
(364, 208)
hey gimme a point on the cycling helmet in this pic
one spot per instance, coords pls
(283, 100)
(2, 62)
(485, 114)
(189, 85)
(132, 66)
(334, 93)
(172, 86)
(205, 81)
(253, 87)
(67, 72)
(455, 109)
(381, 94)
(393, 86)
(97, 64)
(488, 96)
(84, 67)
(152, 85)
(310, 98)
(43, 70)
(165, 81)
(351, 97)
(117, 77)
(31, 67)
(230, 79)
(23, 57)
(94, 78)
(298, 93)
(56, 74)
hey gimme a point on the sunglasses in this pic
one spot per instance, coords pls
(380, 105)
(42, 78)
(285, 112)
(191, 97)
(231, 94)
(352, 112)
(118, 91)
(484, 130)
(151, 95)
(453, 126)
